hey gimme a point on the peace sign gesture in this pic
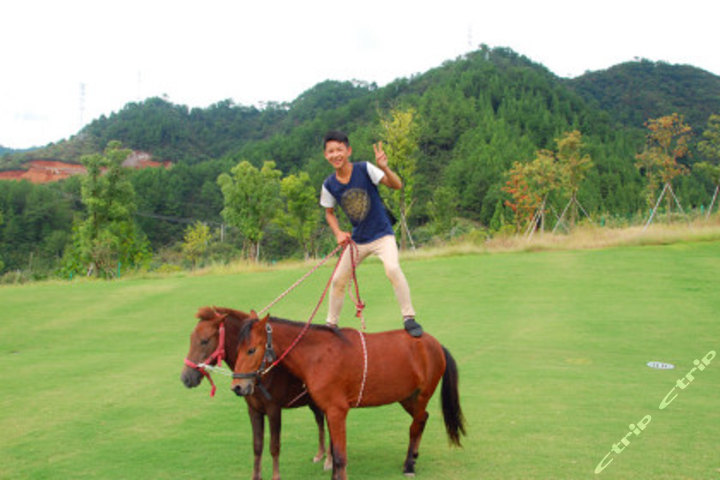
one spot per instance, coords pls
(381, 160)
(380, 157)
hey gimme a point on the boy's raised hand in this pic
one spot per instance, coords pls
(380, 157)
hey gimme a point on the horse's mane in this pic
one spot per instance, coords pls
(206, 314)
(245, 330)
(212, 313)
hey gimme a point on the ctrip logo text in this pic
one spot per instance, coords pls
(642, 424)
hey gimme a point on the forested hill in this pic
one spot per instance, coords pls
(628, 94)
(632, 92)
(476, 115)
(183, 135)
(4, 150)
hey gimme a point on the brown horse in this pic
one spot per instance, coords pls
(279, 390)
(344, 369)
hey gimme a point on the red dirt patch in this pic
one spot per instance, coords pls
(45, 171)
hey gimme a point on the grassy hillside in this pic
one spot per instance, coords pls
(552, 350)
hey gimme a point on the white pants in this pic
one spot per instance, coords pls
(385, 248)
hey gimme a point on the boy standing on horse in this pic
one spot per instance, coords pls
(354, 187)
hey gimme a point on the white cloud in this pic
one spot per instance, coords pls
(201, 53)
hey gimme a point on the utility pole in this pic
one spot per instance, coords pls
(82, 104)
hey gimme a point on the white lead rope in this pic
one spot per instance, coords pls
(213, 369)
(365, 368)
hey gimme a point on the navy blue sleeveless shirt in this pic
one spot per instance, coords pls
(361, 202)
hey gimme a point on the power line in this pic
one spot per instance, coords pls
(167, 218)
(172, 219)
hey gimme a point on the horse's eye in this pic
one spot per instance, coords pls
(204, 341)
(251, 351)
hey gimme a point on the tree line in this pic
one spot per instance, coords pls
(93, 225)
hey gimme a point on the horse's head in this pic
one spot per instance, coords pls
(205, 346)
(254, 352)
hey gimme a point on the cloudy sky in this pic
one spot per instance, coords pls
(67, 62)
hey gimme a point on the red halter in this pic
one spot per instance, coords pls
(216, 356)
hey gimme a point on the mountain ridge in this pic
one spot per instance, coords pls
(629, 92)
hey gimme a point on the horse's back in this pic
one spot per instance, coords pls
(407, 363)
(399, 342)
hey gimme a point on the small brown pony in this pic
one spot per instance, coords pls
(281, 389)
(345, 369)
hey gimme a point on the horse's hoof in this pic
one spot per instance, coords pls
(327, 466)
(318, 457)
(409, 474)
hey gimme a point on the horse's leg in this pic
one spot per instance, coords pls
(336, 418)
(320, 421)
(416, 408)
(328, 465)
(275, 422)
(257, 420)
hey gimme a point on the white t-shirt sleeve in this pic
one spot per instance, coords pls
(326, 198)
(374, 173)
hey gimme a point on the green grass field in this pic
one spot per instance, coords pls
(552, 350)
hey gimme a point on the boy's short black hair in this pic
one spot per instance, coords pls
(337, 136)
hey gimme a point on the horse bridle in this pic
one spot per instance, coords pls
(263, 369)
(216, 356)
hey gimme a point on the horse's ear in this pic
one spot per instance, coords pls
(205, 313)
(264, 323)
(253, 315)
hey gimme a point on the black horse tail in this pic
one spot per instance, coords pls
(452, 413)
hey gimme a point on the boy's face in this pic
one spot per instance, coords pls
(337, 153)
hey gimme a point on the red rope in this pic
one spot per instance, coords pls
(292, 402)
(217, 355)
(204, 373)
(358, 303)
(303, 278)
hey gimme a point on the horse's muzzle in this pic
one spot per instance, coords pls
(190, 378)
(242, 390)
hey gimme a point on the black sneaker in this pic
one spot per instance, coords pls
(413, 328)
